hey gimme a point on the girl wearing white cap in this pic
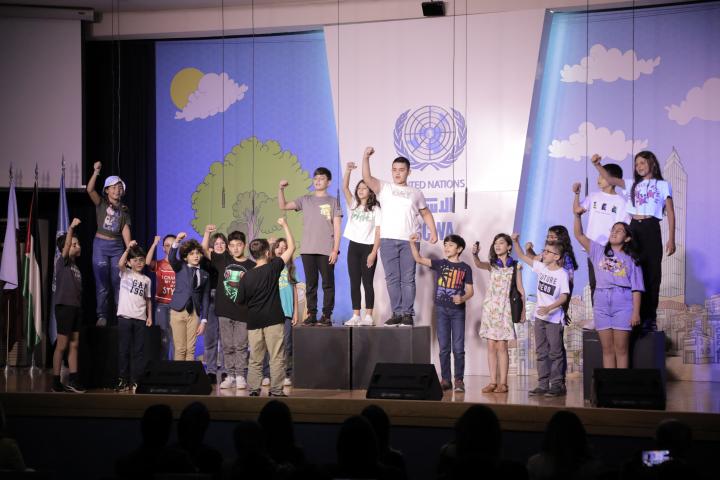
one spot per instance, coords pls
(113, 235)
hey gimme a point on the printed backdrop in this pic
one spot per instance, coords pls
(481, 121)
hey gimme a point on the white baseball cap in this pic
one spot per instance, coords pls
(113, 180)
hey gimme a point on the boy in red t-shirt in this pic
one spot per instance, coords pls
(164, 288)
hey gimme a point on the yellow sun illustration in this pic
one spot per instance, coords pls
(183, 84)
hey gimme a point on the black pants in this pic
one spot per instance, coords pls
(360, 273)
(131, 346)
(648, 239)
(314, 264)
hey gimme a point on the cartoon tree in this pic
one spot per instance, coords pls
(253, 171)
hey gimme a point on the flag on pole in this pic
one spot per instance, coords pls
(32, 284)
(9, 267)
(62, 228)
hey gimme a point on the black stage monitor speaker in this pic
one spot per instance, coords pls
(174, 378)
(628, 388)
(433, 9)
(404, 381)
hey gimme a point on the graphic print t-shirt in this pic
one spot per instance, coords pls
(68, 283)
(230, 272)
(604, 210)
(111, 220)
(286, 293)
(450, 281)
(650, 196)
(134, 290)
(319, 213)
(165, 281)
(618, 270)
(551, 284)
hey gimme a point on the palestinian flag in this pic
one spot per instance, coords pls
(32, 284)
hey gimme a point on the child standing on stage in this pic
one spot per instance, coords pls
(68, 309)
(289, 300)
(164, 288)
(191, 299)
(650, 199)
(231, 265)
(321, 243)
(496, 321)
(363, 232)
(606, 207)
(454, 287)
(402, 205)
(619, 290)
(260, 291)
(553, 291)
(113, 234)
(218, 244)
(134, 315)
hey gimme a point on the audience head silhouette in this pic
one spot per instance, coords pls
(156, 425)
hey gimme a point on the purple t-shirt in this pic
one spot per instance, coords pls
(619, 270)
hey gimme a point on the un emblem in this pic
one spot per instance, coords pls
(430, 136)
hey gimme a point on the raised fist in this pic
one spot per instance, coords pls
(283, 184)
(515, 237)
(281, 221)
(180, 237)
(97, 166)
(210, 228)
(351, 166)
(476, 248)
(369, 151)
(596, 159)
(75, 222)
(576, 188)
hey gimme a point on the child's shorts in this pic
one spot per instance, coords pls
(69, 319)
(613, 308)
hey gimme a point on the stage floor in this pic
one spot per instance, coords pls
(697, 403)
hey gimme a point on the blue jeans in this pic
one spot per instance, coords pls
(105, 257)
(162, 320)
(399, 266)
(131, 344)
(211, 339)
(451, 325)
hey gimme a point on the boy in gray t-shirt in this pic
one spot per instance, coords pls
(320, 242)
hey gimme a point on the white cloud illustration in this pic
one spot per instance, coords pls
(700, 102)
(599, 140)
(207, 101)
(608, 66)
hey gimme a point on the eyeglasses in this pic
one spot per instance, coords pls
(550, 251)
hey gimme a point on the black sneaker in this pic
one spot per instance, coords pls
(254, 393)
(310, 321)
(276, 395)
(446, 385)
(538, 391)
(57, 387)
(406, 321)
(75, 387)
(122, 385)
(459, 385)
(213, 378)
(393, 321)
(101, 322)
(556, 391)
(324, 321)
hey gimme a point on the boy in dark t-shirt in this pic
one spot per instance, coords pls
(231, 265)
(68, 303)
(454, 286)
(260, 292)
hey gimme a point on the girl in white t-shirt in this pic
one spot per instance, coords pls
(363, 232)
(650, 198)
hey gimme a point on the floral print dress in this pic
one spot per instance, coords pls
(496, 321)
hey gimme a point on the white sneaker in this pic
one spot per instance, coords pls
(229, 382)
(240, 382)
(366, 322)
(287, 382)
(353, 322)
(265, 382)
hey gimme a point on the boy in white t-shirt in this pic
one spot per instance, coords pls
(605, 208)
(552, 292)
(134, 315)
(402, 205)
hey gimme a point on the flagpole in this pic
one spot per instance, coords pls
(32, 350)
(7, 316)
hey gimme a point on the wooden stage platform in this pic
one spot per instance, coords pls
(696, 403)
